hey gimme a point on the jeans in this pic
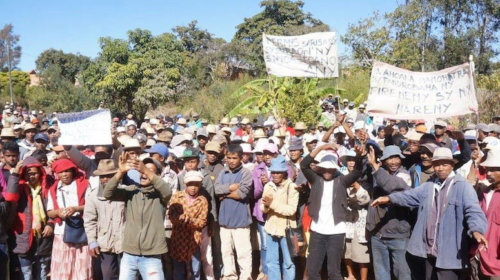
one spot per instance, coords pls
(387, 250)
(274, 244)
(194, 264)
(34, 267)
(149, 267)
(263, 246)
(4, 261)
(331, 246)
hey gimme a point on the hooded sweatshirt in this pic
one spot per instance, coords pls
(18, 191)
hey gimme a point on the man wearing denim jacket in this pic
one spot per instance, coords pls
(448, 216)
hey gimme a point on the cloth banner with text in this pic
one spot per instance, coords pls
(310, 55)
(85, 128)
(397, 93)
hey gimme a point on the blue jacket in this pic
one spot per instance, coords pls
(462, 216)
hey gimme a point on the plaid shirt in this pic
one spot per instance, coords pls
(186, 236)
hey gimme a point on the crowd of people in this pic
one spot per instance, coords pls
(178, 197)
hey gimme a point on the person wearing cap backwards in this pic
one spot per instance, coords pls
(191, 158)
(234, 188)
(104, 222)
(261, 176)
(28, 143)
(449, 217)
(188, 213)
(279, 203)
(326, 207)
(489, 200)
(144, 236)
(32, 228)
(65, 204)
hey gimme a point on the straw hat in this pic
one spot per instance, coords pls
(493, 159)
(224, 121)
(259, 133)
(300, 126)
(7, 133)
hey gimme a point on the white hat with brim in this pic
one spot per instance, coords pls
(131, 144)
(491, 143)
(328, 162)
(443, 153)
(493, 159)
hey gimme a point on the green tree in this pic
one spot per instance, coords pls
(9, 39)
(20, 82)
(56, 93)
(70, 64)
(294, 98)
(279, 17)
(131, 76)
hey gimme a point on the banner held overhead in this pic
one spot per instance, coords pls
(401, 94)
(85, 128)
(311, 55)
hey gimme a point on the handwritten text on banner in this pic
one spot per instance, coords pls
(310, 55)
(85, 128)
(401, 94)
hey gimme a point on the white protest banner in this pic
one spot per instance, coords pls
(310, 55)
(401, 94)
(85, 128)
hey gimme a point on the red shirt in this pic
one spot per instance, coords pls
(490, 258)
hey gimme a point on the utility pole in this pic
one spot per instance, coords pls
(8, 67)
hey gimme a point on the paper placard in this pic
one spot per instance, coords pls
(85, 128)
(310, 55)
(401, 94)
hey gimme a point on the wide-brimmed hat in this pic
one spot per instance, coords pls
(259, 133)
(131, 144)
(329, 161)
(245, 121)
(443, 153)
(224, 121)
(390, 151)
(29, 126)
(491, 143)
(279, 132)
(7, 133)
(441, 123)
(278, 164)
(493, 159)
(106, 167)
(470, 135)
(182, 121)
(413, 135)
(300, 126)
(165, 136)
(233, 121)
(219, 139)
(483, 127)
(259, 147)
(202, 132)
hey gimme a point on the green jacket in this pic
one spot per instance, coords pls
(144, 215)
